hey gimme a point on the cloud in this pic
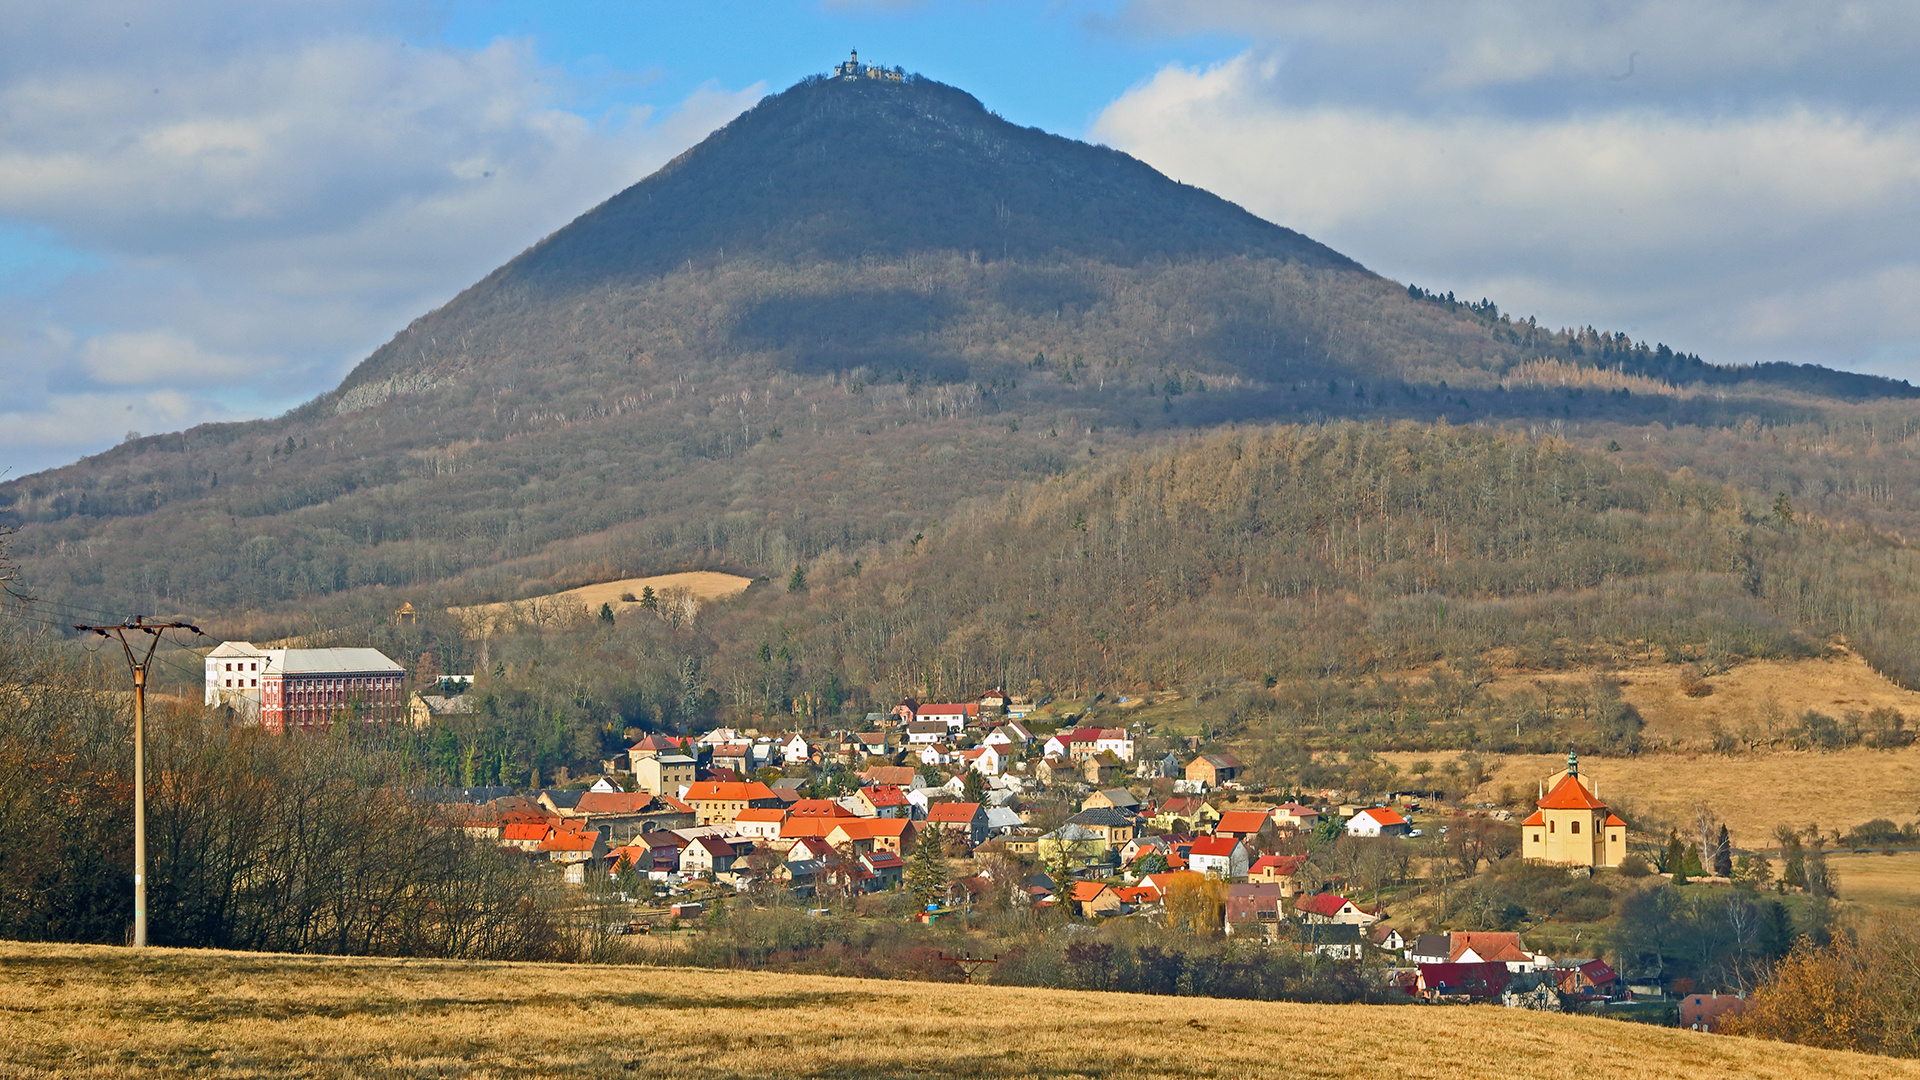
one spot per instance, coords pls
(185, 201)
(1767, 227)
(142, 358)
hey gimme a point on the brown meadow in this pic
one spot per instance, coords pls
(87, 1011)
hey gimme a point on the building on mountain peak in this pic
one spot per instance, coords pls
(1572, 827)
(852, 68)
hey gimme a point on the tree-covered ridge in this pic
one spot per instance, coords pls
(1288, 553)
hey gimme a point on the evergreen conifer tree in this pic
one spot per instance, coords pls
(927, 872)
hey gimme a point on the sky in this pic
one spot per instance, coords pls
(213, 210)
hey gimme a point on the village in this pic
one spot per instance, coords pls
(684, 822)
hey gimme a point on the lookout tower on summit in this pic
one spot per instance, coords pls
(1572, 826)
(854, 69)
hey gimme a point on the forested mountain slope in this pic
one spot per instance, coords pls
(853, 305)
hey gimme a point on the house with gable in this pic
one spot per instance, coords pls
(883, 800)
(1213, 770)
(1054, 747)
(1254, 907)
(985, 760)
(1224, 857)
(760, 823)
(1084, 743)
(1115, 827)
(1010, 736)
(1092, 899)
(1332, 908)
(1378, 821)
(1295, 817)
(714, 855)
(1278, 870)
(1493, 947)
(1115, 798)
(956, 716)
(1186, 812)
(968, 819)
(794, 749)
(1572, 827)
(1248, 825)
(880, 870)
(926, 733)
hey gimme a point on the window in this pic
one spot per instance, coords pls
(1550, 826)
(1575, 826)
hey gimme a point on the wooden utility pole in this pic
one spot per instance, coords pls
(138, 624)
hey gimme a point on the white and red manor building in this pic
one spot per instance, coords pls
(305, 689)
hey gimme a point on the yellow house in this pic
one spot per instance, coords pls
(1572, 828)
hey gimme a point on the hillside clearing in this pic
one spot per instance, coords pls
(703, 586)
(92, 1011)
(1752, 793)
(1747, 696)
(1886, 883)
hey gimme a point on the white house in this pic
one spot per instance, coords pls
(934, 754)
(1012, 733)
(1222, 856)
(795, 751)
(985, 760)
(1377, 821)
(954, 716)
(926, 732)
(1055, 746)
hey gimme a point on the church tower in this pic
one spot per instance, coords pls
(1572, 827)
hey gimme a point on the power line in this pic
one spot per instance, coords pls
(154, 632)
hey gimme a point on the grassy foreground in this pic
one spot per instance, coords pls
(93, 1011)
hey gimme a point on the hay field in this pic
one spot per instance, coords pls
(703, 586)
(1834, 684)
(1752, 793)
(75, 1011)
(1886, 884)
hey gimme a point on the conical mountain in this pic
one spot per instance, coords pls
(860, 301)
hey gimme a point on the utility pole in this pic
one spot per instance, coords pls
(138, 624)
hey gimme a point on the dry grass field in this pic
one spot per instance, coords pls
(702, 586)
(1887, 884)
(1743, 694)
(1752, 793)
(74, 1011)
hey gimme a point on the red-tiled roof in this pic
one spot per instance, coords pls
(1613, 821)
(728, 791)
(529, 830)
(1241, 821)
(1493, 947)
(1325, 904)
(1383, 815)
(1213, 845)
(1084, 891)
(1283, 865)
(1536, 818)
(1571, 794)
(760, 813)
(885, 795)
(570, 841)
(959, 812)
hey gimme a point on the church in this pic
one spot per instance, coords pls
(1572, 827)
